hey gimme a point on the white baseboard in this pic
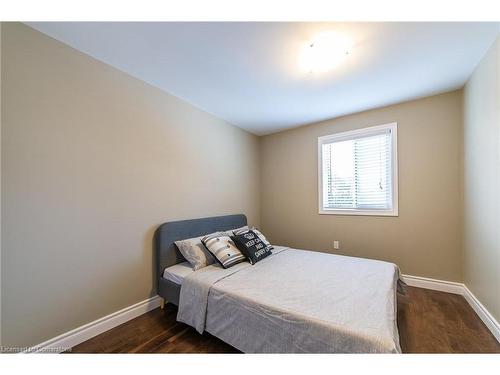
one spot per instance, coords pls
(483, 313)
(433, 284)
(457, 288)
(87, 331)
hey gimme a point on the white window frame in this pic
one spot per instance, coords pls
(348, 135)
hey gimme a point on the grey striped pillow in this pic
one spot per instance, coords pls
(223, 248)
(240, 230)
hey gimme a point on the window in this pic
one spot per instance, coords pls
(357, 172)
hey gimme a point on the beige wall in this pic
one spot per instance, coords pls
(482, 181)
(92, 161)
(425, 240)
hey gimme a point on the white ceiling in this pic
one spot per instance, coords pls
(248, 73)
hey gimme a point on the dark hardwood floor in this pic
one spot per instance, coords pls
(437, 322)
(429, 322)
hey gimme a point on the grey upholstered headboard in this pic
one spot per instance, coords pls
(167, 253)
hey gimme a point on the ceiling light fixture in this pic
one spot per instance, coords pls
(324, 52)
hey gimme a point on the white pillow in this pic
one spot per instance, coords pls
(193, 250)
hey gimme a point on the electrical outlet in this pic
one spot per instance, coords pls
(336, 245)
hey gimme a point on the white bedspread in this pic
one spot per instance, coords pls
(296, 301)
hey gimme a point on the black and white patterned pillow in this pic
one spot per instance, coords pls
(223, 248)
(252, 246)
(258, 233)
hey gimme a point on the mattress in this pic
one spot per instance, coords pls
(178, 272)
(296, 301)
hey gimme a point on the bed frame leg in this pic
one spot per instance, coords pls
(162, 303)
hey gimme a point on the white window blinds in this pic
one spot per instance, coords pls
(357, 170)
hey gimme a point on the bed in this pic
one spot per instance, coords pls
(294, 301)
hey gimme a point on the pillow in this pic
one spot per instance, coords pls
(252, 246)
(258, 233)
(231, 232)
(223, 248)
(241, 230)
(263, 239)
(195, 252)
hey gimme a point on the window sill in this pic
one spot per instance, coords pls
(360, 212)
